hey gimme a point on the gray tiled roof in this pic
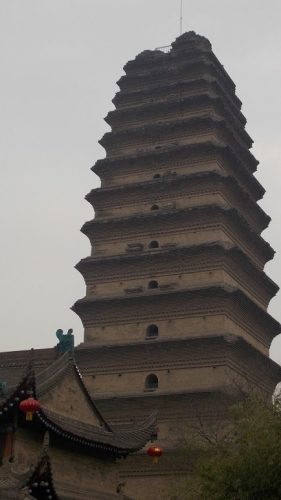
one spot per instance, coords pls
(131, 438)
(117, 442)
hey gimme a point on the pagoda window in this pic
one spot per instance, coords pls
(156, 176)
(151, 382)
(152, 331)
(153, 284)
(153, 244)
(154, 207)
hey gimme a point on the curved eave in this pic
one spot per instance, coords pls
(40, 383)
(148, 109)
(130, 77)
(218, 291)
(88, 263)
(156, 156)
(179, 351)
(266, 249)
(78, 441)
(47, 379)
(105, 445)
(9, 407)
(153, 130)
(24, 387)
(138, 94)
(89, 399)
(208, 61)
(153, 184)
(42, 471)
(106, 442)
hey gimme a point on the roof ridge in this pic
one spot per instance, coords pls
(48, 376)
(130, 439)
(87, 395)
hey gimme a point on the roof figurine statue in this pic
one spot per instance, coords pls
(66, 341)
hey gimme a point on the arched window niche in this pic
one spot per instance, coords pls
(153, 244)
(156, 176)
(153, 284)
(152, 331)
(151, 382)
(154, 207)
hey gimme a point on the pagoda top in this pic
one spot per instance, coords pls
(186, 41)
(190, 38)
(189, 43)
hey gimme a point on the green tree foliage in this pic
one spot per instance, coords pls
(246, 463)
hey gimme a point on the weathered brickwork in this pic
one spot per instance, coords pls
(177, 253)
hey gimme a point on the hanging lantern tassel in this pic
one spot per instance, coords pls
(29, 406)
(29, 416)
(155, 452)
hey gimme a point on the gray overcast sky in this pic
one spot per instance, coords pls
(60, 60)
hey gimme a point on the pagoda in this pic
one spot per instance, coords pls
(175, 312)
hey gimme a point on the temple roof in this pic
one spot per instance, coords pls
(67, 410)
(122, 440)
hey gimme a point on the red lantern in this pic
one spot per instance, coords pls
(155, 452)
(29, 406)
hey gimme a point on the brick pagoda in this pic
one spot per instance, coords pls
(175, 312)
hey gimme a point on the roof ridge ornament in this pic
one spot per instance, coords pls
(66, 341)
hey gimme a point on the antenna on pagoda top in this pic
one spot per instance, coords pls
(180, 17)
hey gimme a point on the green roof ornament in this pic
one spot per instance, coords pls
(66, 341)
